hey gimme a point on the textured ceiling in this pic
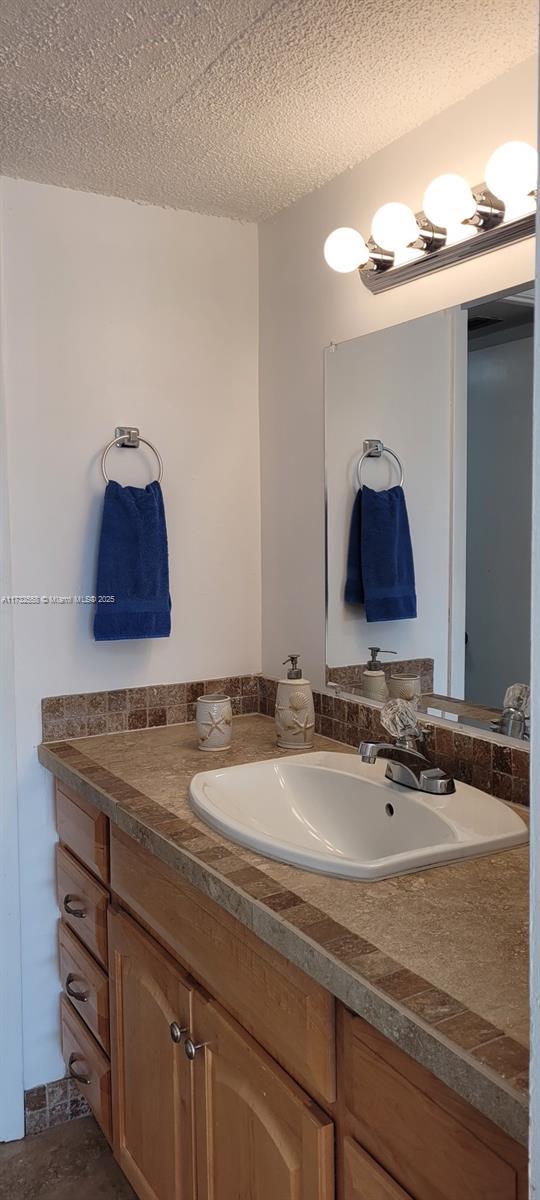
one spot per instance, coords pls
(235, 107)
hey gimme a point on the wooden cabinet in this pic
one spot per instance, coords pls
(82, 871)
(86, 984)
(87, 1064)
(85, 830)
(152, 1077)
(258, 1136)
(83, 904)
(429, 1141)
(288, 1013)
(364, 1179)
(239, 1094)
(255, 1133)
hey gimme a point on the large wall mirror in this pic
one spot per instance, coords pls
(449, 397)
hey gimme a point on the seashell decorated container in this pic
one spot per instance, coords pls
(405, 687)
(295, 714)
(214, 721)
(374, 686)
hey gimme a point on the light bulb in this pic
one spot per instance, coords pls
(512, 171)
(345, 250)
(448, 201)
(407, 255)
(394, 226)
(460, 233)
(519, 206)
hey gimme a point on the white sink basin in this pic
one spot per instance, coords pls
(333, 813)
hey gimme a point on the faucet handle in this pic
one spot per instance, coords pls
(518, 696)
(399, 718)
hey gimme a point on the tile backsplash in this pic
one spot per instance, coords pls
(352, 676)
(497, 768)
(92, 713)
(53, 1103)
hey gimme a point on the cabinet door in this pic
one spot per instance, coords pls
(258, 1136)
(365, 1179)
(433, 1144)
(152, 1077)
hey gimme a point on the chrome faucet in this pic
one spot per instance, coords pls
(407, 764)
(514, 719)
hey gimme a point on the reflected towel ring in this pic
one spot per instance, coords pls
(119, 441)
(373, 448)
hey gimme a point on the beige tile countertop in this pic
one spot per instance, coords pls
(436, 960)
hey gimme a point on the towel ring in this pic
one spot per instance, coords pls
(374, 449)
(118, 441)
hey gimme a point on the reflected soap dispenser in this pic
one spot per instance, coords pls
(374, 685)
(295, 713)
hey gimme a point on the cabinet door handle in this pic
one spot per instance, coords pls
(73, 1058)
(191, 1048)
(82, 997)
(177, 1031)
(74, 912)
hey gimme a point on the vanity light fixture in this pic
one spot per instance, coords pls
(457, 222)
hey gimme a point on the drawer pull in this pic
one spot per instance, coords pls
(74, 912)
(177, 1031)
(82, 997)
(77, 1075)
(191, 1048)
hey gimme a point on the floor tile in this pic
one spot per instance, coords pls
(70, 1162)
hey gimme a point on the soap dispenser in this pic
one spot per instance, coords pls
(295, 714)
(374, 684)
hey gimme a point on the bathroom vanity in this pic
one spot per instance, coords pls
(236, 1039)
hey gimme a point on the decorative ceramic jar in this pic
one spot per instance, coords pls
(214, 721)
(295, 713)
(374, 686)
(405, 687)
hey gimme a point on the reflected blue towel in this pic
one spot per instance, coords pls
(133, 565)
(387, 557)
(354, 587)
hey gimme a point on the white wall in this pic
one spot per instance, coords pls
(397, 385)
(11, 1056)
(534, 894)
(116, 313)
(304, 306)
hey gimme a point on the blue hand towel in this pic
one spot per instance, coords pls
(354, 587)
(386, 556)
(133, 565)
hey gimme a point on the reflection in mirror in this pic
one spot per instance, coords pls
(428, 584)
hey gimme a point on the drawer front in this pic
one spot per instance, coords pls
(83, 903)
(289, 1014)
(87, 1063)
(86, 984)
(84, 830)
(432, 1143)
(364, 1179)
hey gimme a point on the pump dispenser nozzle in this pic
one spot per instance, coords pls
(374, 664)
(294, 671)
